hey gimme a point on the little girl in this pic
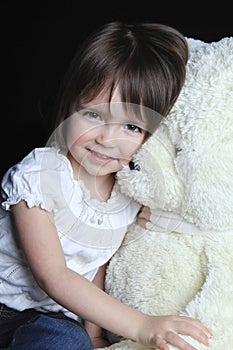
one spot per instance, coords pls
(62, 214)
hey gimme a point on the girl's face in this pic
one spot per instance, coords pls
(102, 136)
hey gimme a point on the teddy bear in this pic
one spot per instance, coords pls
(182, 261)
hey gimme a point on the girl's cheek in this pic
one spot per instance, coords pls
(76, 134)
(132, 148)
(76, 139)
(127, 154)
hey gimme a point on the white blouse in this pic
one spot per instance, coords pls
(90, 231)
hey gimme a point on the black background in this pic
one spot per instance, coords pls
(42, 38)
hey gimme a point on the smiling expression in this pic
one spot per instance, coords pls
(102, 137)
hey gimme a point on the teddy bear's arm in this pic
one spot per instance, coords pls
(213, 305)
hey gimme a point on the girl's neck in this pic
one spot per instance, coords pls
(100, 187)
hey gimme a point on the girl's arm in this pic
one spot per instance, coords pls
(94, 331)
(43, 251)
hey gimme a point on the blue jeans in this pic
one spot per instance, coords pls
(32, 330)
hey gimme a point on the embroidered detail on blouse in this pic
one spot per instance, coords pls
(90, 231)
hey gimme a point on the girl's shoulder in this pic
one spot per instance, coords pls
(34, 177)
(40, 158)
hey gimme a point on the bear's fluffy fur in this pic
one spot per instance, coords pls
(183, 262)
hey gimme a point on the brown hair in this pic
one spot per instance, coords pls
(147, 61)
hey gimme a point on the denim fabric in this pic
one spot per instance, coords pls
(31, 330)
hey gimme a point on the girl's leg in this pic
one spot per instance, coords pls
(48, 332)
(10, 320)
(51, 333)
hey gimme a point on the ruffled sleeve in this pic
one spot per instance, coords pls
(27, 181)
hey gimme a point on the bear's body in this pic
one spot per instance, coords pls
(183, 262)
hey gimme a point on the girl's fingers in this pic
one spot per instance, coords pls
(186, 327)
(143, 216)
(200, 329)
(177, 341)
(161, 344)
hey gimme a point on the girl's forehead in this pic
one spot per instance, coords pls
(113, 107)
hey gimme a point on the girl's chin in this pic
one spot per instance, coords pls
(108, 169)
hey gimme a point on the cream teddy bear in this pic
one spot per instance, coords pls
(183, 262)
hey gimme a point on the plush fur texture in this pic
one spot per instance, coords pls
(183, 262)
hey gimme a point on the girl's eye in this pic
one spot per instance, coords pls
(133, 128)
(91, 114)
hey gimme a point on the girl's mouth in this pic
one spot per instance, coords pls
(100, 156)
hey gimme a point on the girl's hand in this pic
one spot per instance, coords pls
(160, 331)
(42, 248)
(143, 216)
(99, 342)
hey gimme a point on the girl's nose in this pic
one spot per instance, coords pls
(107, 135)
